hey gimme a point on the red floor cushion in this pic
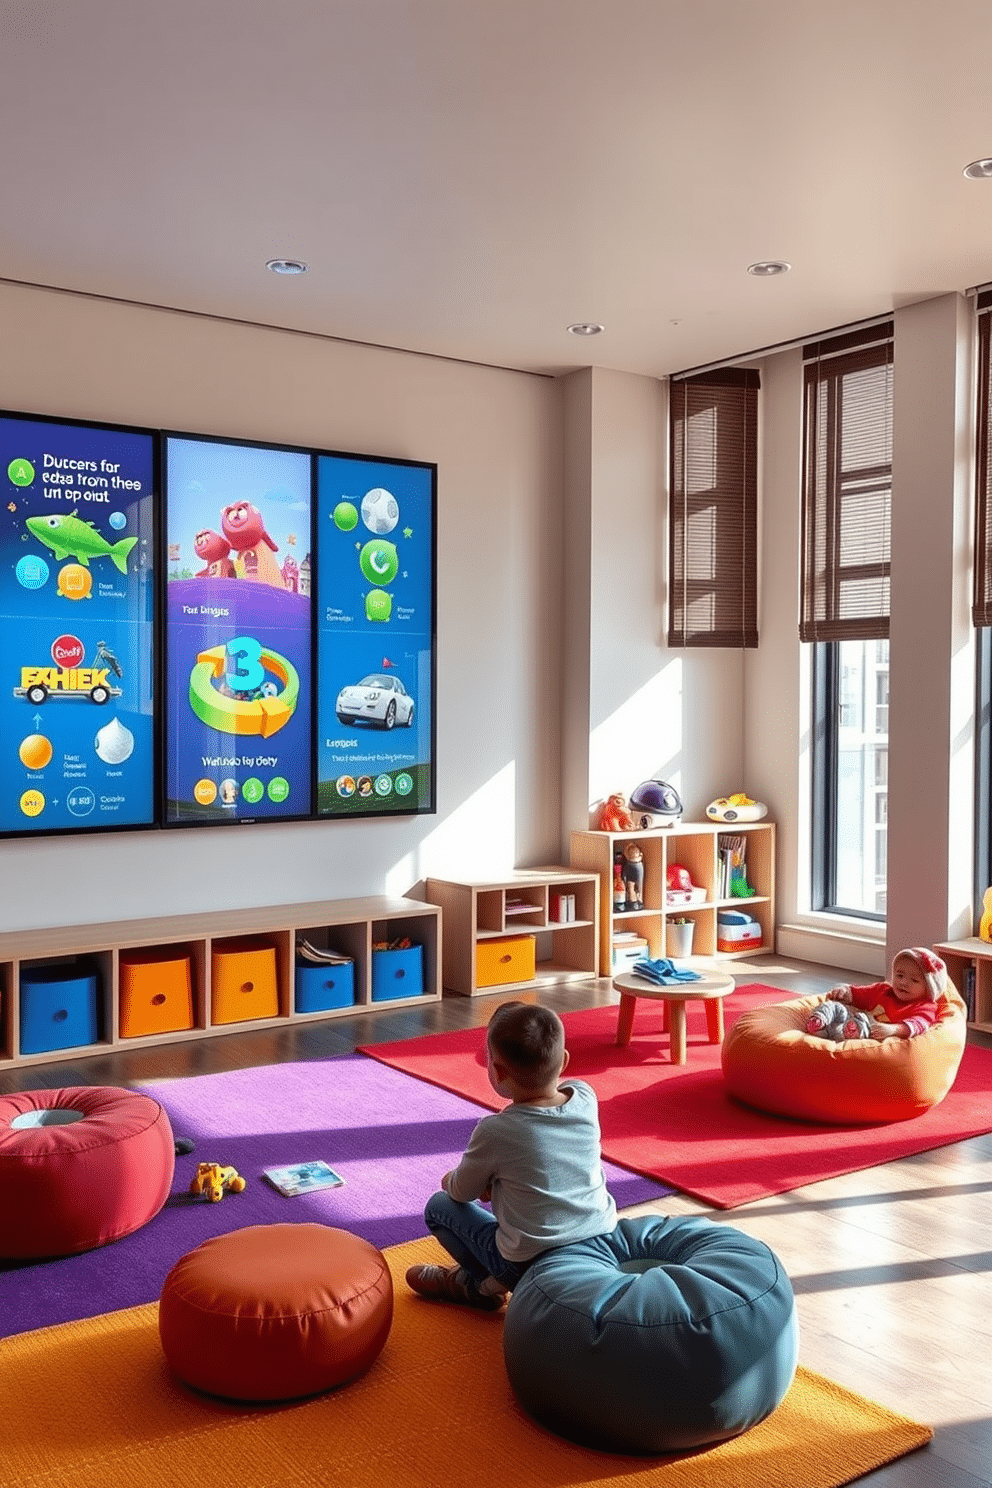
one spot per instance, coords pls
(275, 1312)
(772, 1063)
(79, 1167)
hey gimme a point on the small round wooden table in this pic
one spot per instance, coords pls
(709, 989)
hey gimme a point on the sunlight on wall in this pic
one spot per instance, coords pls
(477, 838)
(641, 739)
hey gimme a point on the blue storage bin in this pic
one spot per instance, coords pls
(58, 1008)
(397, 973)
(321, 987)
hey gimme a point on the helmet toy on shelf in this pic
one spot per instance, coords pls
(655, 803)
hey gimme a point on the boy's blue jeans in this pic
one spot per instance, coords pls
(468, 1234)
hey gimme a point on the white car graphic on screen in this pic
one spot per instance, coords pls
(377, 699)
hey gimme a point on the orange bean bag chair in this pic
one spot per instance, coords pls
(772, 1063)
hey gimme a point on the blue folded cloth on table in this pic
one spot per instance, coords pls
(664, 971)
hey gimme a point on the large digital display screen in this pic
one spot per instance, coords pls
(375, 636)
(238, 637)
(77, 610)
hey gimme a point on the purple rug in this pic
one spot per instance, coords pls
(390, 1136)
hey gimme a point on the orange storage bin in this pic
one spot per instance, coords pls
(243, 982)
(509, 958)
(155, 992)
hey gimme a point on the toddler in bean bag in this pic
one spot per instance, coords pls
(903, 1007)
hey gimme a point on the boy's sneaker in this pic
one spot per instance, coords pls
(453, 1284)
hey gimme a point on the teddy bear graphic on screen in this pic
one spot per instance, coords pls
(244, 528)
(213, 550)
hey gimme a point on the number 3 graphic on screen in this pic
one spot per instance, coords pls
(244, 688)
(245, 672)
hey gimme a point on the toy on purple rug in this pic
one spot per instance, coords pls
(837, 1022)
(215, 1180)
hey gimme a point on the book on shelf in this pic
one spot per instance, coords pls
(519, 906)
(301, 1178)
(320, 955)
(732, 864)
(561, 907)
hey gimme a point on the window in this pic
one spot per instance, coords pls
(847, 478)
(850, 772)
(713, 510)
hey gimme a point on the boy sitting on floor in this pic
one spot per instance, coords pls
(538, 1161)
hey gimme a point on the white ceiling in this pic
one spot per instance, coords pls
(466, 178)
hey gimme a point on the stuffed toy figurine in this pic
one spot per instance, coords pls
(633, 876)
(837, 1022)
(614, 816)
(214, 1180)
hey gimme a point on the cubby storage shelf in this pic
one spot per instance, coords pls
(969, 966)
(349, 926)
(528, 902)
(694, 846)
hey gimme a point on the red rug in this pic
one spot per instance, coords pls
(676, 1123)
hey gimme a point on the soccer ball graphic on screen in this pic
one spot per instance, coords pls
(380, 511)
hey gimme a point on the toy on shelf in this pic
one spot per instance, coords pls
(985, 924)
(736, 808)
(619, 887)
(215, 1180)
(633, 876)
(737, 931)
(656, 803)
(679, 887)
(614, 816)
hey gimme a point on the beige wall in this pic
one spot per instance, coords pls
(496, 437)
(540, 618)
(634, 709)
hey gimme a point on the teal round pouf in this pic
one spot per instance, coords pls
(664, 1336)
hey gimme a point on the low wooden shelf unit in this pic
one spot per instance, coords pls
(694, 846)
(348, 926)
(485, 922)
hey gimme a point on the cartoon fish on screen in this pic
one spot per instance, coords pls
(70, 537)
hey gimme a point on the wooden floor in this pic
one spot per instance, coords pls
(891, 1266)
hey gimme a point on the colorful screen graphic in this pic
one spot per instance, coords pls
(77, 603)
(238, 632)
(375, 637)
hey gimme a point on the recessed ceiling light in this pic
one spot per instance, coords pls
(286, 266)
(767, 267)
(585, 328)
(978, 170)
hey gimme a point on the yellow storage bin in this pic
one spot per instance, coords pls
(511, 958)
(243, 980)
(156, 992)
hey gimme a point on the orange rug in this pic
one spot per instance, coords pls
(90, 1403)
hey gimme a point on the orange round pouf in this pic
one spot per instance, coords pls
(275, 1312)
